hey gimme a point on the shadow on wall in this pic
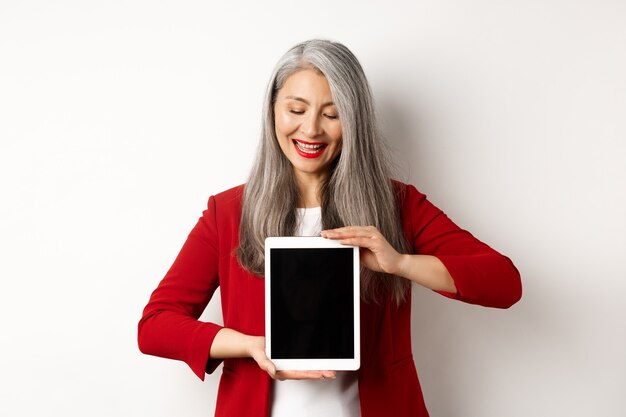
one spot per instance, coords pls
(399, 136)
(464, 353)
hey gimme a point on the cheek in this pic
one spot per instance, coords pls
(335, 133)
(284, 124)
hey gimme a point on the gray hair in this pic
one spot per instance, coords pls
(358, 190)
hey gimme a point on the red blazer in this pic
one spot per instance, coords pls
(388, 382)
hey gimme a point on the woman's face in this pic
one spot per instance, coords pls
(307, 124)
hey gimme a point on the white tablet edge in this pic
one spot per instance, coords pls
(351, 364)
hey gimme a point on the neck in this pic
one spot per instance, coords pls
(309, 186)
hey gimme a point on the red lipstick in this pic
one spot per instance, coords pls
(309, 153)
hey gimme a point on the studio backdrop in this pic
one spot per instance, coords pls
(119, 119)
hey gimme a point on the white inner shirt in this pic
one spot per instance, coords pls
(316, 398)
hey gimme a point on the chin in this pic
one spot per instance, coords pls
(308, 169)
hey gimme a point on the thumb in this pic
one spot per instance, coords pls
(265, 364)
(269, 367)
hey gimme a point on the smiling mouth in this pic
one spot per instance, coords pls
(309, 149)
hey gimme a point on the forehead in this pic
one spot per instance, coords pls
(306, 84)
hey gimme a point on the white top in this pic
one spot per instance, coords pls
(316, 398)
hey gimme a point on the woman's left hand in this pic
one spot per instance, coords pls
(376, 253)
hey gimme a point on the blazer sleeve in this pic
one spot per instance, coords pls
(481, 275)
(169, 326)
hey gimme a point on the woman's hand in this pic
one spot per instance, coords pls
(256, 350)
(376, 253)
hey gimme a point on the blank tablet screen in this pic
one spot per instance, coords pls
(312, 310)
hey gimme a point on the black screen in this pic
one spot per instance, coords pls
(312, 303)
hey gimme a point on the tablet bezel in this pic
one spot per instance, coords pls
(312, 364)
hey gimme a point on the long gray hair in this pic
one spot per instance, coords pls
(358, 190)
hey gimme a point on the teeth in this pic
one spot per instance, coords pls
(307, 146)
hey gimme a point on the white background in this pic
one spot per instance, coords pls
(118, 119)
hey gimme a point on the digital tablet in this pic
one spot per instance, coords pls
(312, 298)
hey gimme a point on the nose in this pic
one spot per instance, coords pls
(311, 126)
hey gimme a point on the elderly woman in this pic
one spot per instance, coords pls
(320, 170)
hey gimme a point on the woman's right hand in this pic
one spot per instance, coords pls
(229, 343)
(256, 350)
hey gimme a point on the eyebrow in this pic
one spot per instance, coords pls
(328, 103)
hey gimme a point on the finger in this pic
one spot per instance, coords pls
(329, 374)
(283, 375)
(265, 364)
(340, 229)
(361, 231)
(364, 242)
(269, 367)
(350, 229)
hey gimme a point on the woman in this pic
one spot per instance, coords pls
(320, 165)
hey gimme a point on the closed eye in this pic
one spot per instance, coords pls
(331, 116)
(296, 111)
